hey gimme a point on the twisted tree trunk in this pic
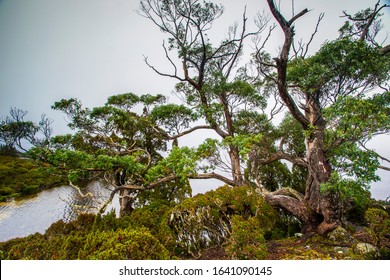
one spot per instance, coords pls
(318, 212)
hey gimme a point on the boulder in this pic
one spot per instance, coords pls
(366, 249)
(340, 236)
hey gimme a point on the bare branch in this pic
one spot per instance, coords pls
(372, 151)
(163, 181)
(169, 58)
(190, 131)
(371, 20)
(294, 18)
(161, 73)
(321, 16)
(384, 167)
(282, 60)
(79, 191)
(279, 155)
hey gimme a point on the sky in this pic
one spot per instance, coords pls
(92, 49)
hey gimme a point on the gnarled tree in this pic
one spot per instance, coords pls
(208, 78)
(340, 98)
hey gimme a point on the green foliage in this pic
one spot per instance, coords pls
(246, 241)
(339, 68)
(173, 117)
(353, 196)
(88, 237)
(244, 142)
(180, 162)
(378, 220)
(205, 220)
(123, 244)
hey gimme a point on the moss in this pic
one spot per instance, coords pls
(5, 191)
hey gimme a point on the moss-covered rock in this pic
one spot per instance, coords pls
(365, 235)
(341, 236)
(366, 250)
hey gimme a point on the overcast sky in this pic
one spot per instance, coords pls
(91, 49)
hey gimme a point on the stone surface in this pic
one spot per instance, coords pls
(340, 235)
(366, 249)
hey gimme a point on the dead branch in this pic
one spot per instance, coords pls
(79, 191)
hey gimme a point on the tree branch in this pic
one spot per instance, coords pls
(189, 131)
(384, 167)
(371, 20)
(385, 50)
(163, 181)
(161, 73)
(282, 60)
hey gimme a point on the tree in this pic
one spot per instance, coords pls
(330, 95)
(209, 80)
(126, 149)
(16, 133)
(115, 143)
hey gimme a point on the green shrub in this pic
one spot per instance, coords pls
(205, 220)
(30, 189)
(6, 191)
(20, 176)
(246, 241)
(123, 244)
(378, 220)
(33, 247)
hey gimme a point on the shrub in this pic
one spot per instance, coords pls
(30, 189)
(6, 191)
(246, 241)
(205, 220)
(378, 220)
(33, 247)
(123, 244)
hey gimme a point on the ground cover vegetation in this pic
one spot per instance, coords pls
(335, 100)
(20, 177)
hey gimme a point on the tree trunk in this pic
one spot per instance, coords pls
(318, 212)
(319, 170)
(126, 202)
(236, 166)
(125, 195)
